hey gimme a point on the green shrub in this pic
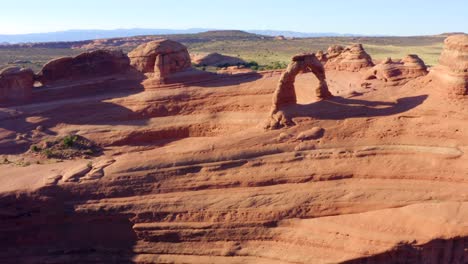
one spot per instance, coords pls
(35, 148)
(68, 141)
(49, 154)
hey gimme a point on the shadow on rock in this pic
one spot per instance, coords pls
(78, 104)
(199, 78)
(47, 228)
(437, 251)
(338, 108)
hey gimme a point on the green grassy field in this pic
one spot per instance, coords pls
(264, 51)
(268, 51)
(33, 58)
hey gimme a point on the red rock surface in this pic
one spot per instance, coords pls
(87, 65)
(398, 73)
(16, 84)
(285, 93)
(161, 58)
(452, 71)
(352, 58)
(188, 174)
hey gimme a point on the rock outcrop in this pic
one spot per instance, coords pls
(285, 93)
(216, 59)
(161, 58)
(398, 72)
(186, 175)
(452, 70)
(16, 84)
(280, 37)
(84, 66)
(352, 58)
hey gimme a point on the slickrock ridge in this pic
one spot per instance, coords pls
(216, 59)
(188, 174)
(87, 65)
(398, 73)
(452, 70)
(285, 93)
(16, 84)
(352, 58)
(161, 58)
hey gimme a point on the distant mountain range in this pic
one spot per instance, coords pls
(78, 35)
(294, 34)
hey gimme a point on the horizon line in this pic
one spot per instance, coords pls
(224, 29)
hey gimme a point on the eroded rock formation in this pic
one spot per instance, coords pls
(161, 58)
(187, 176)
(84, 66)
(16, 84)
(398, 72)
(352, 58)
(452, 71)
(216, 59)
(285, 93)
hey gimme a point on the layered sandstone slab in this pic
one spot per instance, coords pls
(87, 65)
(398, 72)
(452, 70)
(216, 59)
(352, 58)
(161, 58)
(187, 175)
(16, 84)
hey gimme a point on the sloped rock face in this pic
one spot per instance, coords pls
(384, 180)
(160, 57)
(398, 73)
(84, 66)
(352, 58)
(16, 84)
(452, 71)
(216, 59)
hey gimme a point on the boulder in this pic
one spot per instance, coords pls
(16, 84)
(216, 59)
(321, 56)
(313, 133)
(334, 51)
(84, 66)
(399, 72)
(452, 70)
(161, 58)
(352, 58)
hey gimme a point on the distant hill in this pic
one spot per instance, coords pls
(294, 34)
(80, 35)
(132, 41)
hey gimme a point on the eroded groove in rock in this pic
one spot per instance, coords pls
(186, 172)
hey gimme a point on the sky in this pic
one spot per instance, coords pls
(373, 17)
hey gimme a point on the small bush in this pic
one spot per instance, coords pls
(68, 141)
(48, 153)
(35, 148)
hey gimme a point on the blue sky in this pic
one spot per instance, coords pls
(390, 17)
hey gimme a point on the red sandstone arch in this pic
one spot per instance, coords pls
(285, 93)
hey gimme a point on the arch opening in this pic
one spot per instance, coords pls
(285, 93)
